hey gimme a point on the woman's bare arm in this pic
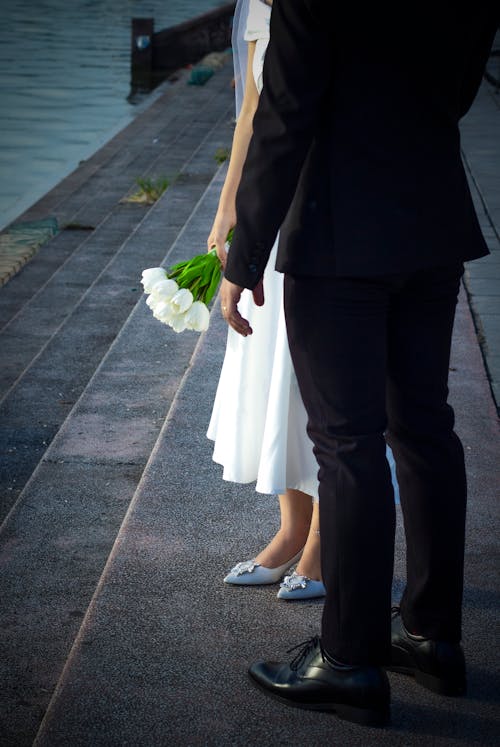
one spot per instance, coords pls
(225, 218)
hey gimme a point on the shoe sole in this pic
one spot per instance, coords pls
(430, 682)
(298, 598)
(252, 583)
(362, 716)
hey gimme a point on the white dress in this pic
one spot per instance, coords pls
(258, 422)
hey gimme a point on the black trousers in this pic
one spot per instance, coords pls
(372, 361)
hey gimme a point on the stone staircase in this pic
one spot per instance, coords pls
(88, 376)
(116, 628)
(68, 305)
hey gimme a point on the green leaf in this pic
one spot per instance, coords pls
(213, 285)
(200, 274)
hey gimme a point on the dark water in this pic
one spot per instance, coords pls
(64, 83)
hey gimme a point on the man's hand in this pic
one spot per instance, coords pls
(230, 295)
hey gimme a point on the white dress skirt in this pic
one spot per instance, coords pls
(258, 421)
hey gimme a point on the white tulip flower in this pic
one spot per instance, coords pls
(169, 296)
(164, 290)
(197, 317)
(164, 312)
(182, 300)
(178, 322)
(151, 276)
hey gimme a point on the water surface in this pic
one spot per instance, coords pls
(64, 83)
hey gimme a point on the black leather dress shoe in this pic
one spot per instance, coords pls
(312, 681)
(437, 665)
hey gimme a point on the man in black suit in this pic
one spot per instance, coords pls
(356, 157)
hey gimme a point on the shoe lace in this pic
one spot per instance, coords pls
(395, 611)
(305, 649)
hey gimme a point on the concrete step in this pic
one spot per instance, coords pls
(161, 656)
(57, 537)
(54, 344)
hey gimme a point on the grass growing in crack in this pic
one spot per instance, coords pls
(150, 190)
(221, 155)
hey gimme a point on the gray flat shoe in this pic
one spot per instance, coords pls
(250, 573)
(296, 586)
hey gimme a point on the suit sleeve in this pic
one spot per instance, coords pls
(297, 72)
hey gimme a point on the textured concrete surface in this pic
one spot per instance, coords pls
(63, 525)
(162, 655)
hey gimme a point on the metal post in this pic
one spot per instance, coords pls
(141, 54)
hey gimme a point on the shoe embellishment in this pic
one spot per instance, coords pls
(247, 566)
(294, 581)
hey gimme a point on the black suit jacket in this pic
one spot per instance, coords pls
(356, 146)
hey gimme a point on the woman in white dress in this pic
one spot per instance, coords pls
(258, 423)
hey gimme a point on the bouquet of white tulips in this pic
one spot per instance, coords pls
(179, 297)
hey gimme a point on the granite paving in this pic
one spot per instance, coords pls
(162, 654)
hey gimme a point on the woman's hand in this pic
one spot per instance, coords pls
(224, 221)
